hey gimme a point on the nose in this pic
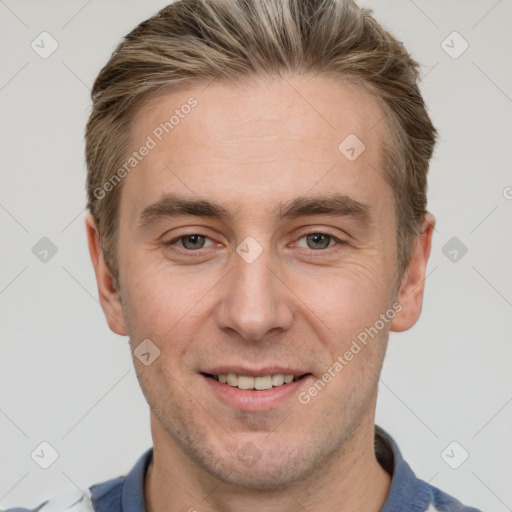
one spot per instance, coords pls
(255, 299)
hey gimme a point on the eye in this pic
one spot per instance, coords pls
(318, 241)
(196, 241)
(191, 242)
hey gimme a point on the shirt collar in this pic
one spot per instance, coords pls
(405, 486)
(133, 489)
(126, 494)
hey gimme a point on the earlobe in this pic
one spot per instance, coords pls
(109, 297)
(412, 286)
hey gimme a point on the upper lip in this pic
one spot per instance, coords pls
(255, 372)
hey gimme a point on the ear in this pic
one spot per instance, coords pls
(109, 297)
(410, 294)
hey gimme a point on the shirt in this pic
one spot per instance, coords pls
(126, 493)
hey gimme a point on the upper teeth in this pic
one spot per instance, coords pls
(260, 383)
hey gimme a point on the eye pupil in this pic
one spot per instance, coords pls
(197, 241)
(318, 238)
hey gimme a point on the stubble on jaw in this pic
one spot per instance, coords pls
(300, 465)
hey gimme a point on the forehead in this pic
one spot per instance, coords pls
(266, 140)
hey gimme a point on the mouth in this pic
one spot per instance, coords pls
(255, 383)
(256, 390)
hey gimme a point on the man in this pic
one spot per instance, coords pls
(258, 225)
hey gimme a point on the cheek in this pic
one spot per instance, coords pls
(347, 298)
(166, 303)
(152, 300)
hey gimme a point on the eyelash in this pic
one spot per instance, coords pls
(198, 251)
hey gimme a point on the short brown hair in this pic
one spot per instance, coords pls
(235, 39)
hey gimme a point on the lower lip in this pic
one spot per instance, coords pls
(251, 400)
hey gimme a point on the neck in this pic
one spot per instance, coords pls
(351, 480)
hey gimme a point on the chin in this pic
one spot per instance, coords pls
(272, 481)
(255, 463)
(267, 474)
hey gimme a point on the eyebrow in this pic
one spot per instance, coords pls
(338, 205)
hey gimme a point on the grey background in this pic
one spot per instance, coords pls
(67, 380)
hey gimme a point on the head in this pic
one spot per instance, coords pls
(257, 176)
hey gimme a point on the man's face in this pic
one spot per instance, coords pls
(291, 299)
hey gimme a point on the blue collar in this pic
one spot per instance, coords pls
(123, 494)
(407, 492)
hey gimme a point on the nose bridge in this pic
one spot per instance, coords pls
(254, 300)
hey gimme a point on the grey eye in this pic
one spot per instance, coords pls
(318, 240)
(193, 242)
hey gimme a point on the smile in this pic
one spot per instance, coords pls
(248, 382)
